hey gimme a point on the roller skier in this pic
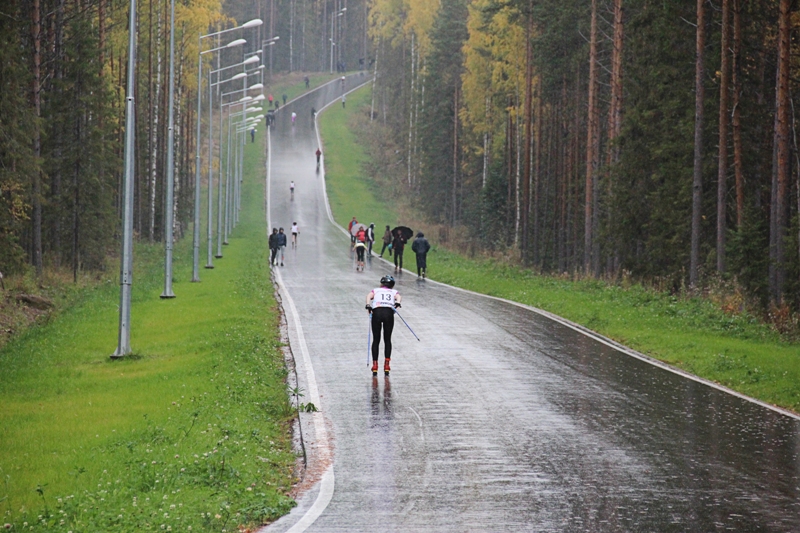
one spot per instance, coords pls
(381, 305)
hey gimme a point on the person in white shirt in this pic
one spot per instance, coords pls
(381, 303)
(295, 231)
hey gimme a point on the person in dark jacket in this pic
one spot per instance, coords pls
(398, 244)
(387, 240)
(421, 247)
(281, 239)
(273, 246)
(370, 238)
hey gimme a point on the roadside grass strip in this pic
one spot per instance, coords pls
(737, 351)
(350, 192)
(190, 433)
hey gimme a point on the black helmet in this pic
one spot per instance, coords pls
(387, 281)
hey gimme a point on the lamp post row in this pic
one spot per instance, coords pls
(126, 261)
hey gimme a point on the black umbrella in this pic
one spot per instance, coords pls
(406, 232)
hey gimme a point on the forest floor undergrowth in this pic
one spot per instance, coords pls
(736, 350)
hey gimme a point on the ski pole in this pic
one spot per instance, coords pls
(406, 323)
(369, 338)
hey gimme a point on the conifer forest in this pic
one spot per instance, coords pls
(655, 139)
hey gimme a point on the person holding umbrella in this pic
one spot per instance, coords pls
(421, 247)
(381, 305)
(350, 229)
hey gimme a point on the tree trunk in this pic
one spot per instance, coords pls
(76, 206)
(36, 34)
(56, 182)
(697, 180)
(615, 115)
(291, 35)
(537, 156)
(411, 111)
(722, 174)
(456, 101)
(526, 179)
(737, 113)
(592, 147)
(101, 31)
(781, 193)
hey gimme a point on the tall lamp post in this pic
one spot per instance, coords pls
(210, 263)
(170, 185)
(229, 158)
(333, 18)
(126, 261)
(197, 199)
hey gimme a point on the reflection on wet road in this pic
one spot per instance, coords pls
(501, 419)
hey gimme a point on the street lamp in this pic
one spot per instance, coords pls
(228, 158)
(126, 261)
(196, 244)
(243, 64)
(333, 17)
(170, 185)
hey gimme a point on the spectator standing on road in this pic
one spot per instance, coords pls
(281, 239)
(294, 117)
(313, 114)
(387, 241)
(398, 244)
(421, 247)
(273, 246)
(370, 238)
(319, 154)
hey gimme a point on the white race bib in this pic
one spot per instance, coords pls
(383, 297)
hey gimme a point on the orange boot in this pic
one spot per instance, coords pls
(375, 368)
(386, 367)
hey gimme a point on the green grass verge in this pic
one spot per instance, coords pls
(190, 433)
(350, 192)
(689, 333)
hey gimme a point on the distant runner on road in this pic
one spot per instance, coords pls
(360, 247)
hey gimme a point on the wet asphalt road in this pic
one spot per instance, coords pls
(499, 419)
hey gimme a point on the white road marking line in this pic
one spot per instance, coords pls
(322, 445)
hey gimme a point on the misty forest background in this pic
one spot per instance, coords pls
(643, 139)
